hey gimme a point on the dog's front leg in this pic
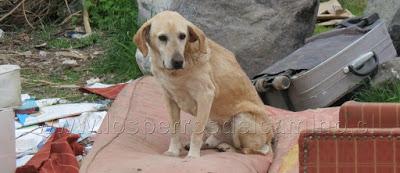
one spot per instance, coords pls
(204, 103)
(174, 127)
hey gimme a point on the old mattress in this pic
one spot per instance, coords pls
(134, 135)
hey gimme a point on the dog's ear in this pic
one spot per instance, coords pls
(141, 37)
(195, 34)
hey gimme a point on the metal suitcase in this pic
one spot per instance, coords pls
(327, 67)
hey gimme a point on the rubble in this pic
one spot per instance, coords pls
(39, 46)
(34, 128)
(70, 63)
(331, 13)
(71, 54)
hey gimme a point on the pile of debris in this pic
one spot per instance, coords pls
(36, 120)
(41, 123)
(331, 13)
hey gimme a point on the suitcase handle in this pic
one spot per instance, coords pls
(360, 66)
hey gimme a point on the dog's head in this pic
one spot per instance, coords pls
(167, 37)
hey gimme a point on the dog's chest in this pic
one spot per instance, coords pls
(185, 102)
(181, 96)
(183, 99)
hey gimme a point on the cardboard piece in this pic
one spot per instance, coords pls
(7, 141)
(85, 125)
(31, 142)
(331, 22)
(332, 10)
(54, 112)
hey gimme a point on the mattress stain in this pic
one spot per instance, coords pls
(290, 160)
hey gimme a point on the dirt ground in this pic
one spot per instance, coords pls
(49, 70)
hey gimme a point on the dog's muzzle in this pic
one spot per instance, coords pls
(177, 61)
(177, 64)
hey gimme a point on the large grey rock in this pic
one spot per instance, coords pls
(259, 32)
(389, 11)
(385, 8)
(394, 30)
(143, 63)
(389, 70)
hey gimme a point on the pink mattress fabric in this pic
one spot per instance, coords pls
(134, 135)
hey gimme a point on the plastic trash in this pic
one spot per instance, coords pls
(23, 160)
(86, 124)
(32, 141)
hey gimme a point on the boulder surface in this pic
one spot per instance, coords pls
(388, 71)
(389, 11)
(394, 30)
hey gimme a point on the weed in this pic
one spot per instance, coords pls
(388, 92)
(49, 35)
(118, 20)
(355, 6)
(61, 43)
(321, 29)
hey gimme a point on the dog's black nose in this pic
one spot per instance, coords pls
(177, 64)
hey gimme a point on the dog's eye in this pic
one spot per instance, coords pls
(182, 36)
(163, 38)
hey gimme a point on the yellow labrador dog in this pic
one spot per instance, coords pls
(202, 78)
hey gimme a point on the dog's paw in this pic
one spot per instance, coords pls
(265, 149)
(224, 147)
(192, 156)
(211, 142)
(171, 154)
(203, 147)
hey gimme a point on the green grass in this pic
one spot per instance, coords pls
(388, 92)
(61, 43)
(118, 64)
(118, 21)
(355, 6)
(322, 29)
